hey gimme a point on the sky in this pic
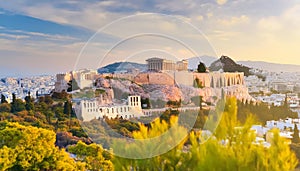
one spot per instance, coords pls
(48, 37)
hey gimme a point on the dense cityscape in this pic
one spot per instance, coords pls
(163, 86)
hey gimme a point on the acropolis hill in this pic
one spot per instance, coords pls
(164, 80)
(165, 73)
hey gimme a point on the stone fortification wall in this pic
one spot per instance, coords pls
(154, 78)
(213, 80)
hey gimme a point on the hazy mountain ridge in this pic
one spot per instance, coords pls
(208, 61)
(122, 66)
(272, 67)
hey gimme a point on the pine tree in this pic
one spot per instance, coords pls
(13, 103)
(68, 111)
(28, 105)
(201, 68)
(296, 138)
(67, 107)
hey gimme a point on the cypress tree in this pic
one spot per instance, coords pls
(3, 99)
(296, 138)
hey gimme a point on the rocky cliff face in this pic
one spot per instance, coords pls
(123, 88)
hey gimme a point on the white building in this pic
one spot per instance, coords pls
(287, 124)
(94, 109)
(84, 78)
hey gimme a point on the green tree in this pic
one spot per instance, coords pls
(17, 105)
(3, 99)
(67, 107)
(68, 111)
(5, 107)
(95, 157)
(31, 148)
(296, 138)
(29, 102)
(201, 68)
(48, 100)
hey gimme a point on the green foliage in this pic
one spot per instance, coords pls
(60, 96)
(31, 148)
(263, 112)
(171, 160)
(281, 157)
(122, 126)
(171, 103)
(17, 105)
(67, 107)
(86, 93)
(232, 147)
(29, 103)
(5, 107)
(98, 92)
(226, 127)
(95, 157)
(198, 83)
(72, 85)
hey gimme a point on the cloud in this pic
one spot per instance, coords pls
(238, 27)
(13, 36)
(234, 21)
(270, 24)
(221, 2)
(199, 18)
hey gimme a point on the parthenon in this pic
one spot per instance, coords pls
(159, 64)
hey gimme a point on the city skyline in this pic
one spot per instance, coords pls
(46, 37)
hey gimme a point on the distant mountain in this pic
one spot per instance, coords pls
(226, 64)
(194, 61)
(122, 66)
(271, 67)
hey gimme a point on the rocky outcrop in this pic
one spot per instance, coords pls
(226, 64)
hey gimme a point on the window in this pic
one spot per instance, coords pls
(107, 110)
